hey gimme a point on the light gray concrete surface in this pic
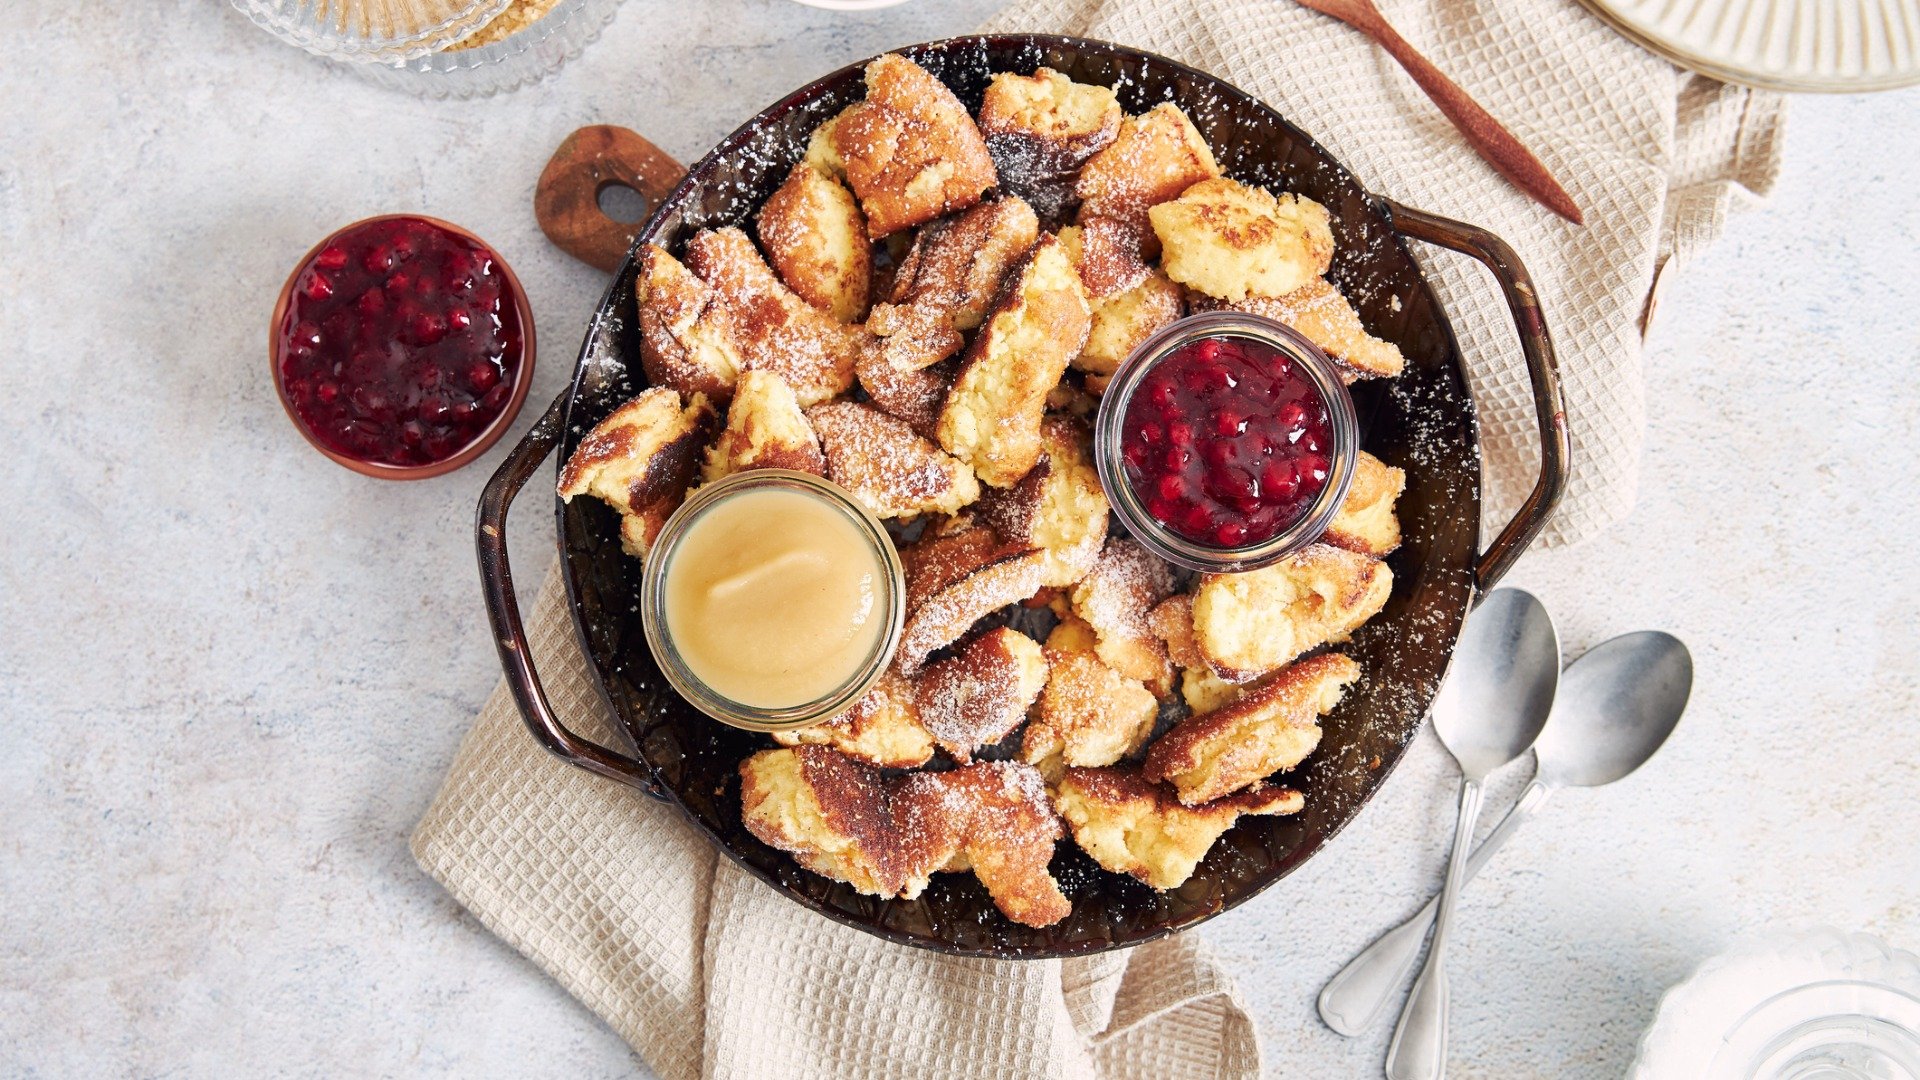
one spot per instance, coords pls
(232, 673)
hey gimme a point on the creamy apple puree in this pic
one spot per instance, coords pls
(772, 598)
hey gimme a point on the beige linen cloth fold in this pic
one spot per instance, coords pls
(706, 972)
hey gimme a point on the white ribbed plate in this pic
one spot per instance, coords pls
(1822, 45)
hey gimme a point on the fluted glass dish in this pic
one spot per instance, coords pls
(377, 31)
(524, 58)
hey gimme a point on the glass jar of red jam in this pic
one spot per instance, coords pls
(402, 346)
(1226, 441)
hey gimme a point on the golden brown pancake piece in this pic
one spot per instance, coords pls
(1249, 624)
(835, 817)
(1232, 241)
(881, 462)
(776, 330)
(910, 150)
(993, 818)
(816, 238)
(640, 461)
(1089, 714)
(1133, 826)
(765, 430)
(687, 334)
(973, 699)
(1324, 317)
(883, 728)
(949, 279)
(1272, 727)
(956, 575)
(1156, 156)
(1114, 598)
(1366, 522)
(1041, 128)
(991, 419)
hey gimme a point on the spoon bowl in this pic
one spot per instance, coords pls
(1497, 695)
(1618, 703)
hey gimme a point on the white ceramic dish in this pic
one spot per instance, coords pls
(1835, 46)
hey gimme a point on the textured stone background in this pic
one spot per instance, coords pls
(231, 673)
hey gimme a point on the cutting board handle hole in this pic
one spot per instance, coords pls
(621, 202)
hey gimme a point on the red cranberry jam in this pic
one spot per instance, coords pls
(400, 343)
(1227, 442)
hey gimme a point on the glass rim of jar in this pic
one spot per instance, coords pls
(681, 676)
(1110, 422)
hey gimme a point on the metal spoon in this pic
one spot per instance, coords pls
(1617, 705)
(1492, 706)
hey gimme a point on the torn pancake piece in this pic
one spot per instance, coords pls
(1272, 728)
(889, 469)
(688, 339)
(1133, 826)
(995, 819)
(815, 236)
(910, 150)
(766, 429)
(1249, 624)
(974, 698)
(883, 728)
(775, 329)
(1231, 241)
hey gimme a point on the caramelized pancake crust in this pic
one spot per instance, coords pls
(1133, 826)
(1272, 727)
(910, 150)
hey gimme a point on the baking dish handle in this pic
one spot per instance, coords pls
(503, 611)
(1542, 370)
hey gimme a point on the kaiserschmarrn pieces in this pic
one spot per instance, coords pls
(883, 728)
(687, 338)
(949, 278)
(641, 458)
(1273, 727)
(1041, 128)
(821, 153)
(1123, 321)
(835, 817)
(765, 430)
(816, 238)
(1249, 624)
(974, 698)
(910, 150)
(1172, 622)
(1232, 241)
(1089, 714)
(1059, 506)
(1107, 254)
(776, 330)
(1366, 522)
(892, 471)
(1324, 317)
(995, 819)
(991, 419)
(1131, 825)
(1114, 598)
(1156, 156)
(956, 575)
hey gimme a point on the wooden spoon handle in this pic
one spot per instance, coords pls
(1508, 155)
(566, 202)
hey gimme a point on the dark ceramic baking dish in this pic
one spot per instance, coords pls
(1422, 422)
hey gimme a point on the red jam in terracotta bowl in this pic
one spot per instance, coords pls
(402, 346)
(1232, 436)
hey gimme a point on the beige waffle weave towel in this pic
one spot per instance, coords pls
(706, 972)
(1654, 156)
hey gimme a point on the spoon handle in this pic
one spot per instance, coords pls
(1353, 999)
(1419, 1047)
